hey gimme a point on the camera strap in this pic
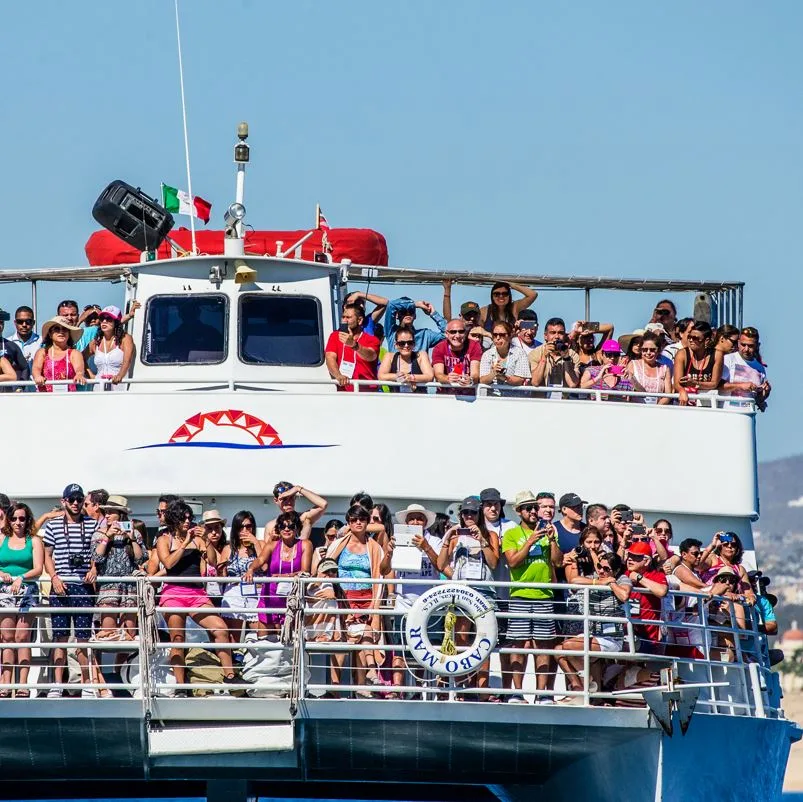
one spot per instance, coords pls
(67, 535)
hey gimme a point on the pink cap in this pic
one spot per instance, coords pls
(112, 311)
(611, 347)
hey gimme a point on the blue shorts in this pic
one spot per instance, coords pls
(77, 594)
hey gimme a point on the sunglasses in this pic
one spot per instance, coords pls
(406, 312)
(404, 343)
(455, 331)
(501, 294)
(529, 508)
(59, 330)
(247, 526)
(288, 527)
(639, 539)
(24, 321)
(475, 336)
(663, 530)
(497, 334)
(662, 312)
(601, 568)
(695, 338)
(472, 513)
(75, 500)
(107, 319)
(649, 350)
(636, 558)
(354, 518)
(20, 520)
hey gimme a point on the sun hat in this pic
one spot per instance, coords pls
(212, 517)
(491, 494)
(640, 548)
(75, 332)
(726, 570)
(116, 504)
(112, 311)
(611, 347)
(401, 515)
(523, 497)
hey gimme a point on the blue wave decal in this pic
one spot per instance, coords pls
(234, 445)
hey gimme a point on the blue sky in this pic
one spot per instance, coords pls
(619, 138)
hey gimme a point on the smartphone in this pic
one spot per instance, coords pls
(344, 328)
(125, 526)
(638, 529)
(464, 531)
(542, 524)
(591, 325)
(627, 516)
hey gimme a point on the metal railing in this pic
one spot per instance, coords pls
(473, 391)
(701, 648)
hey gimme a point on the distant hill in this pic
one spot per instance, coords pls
(779, 482)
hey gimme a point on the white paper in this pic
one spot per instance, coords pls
(469, 542)
(403, 534)
(347, 368)
(406, 558)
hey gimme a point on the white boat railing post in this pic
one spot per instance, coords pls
(586, 645)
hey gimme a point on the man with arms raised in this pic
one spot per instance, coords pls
(68, 561)
(401, 312)
(351, 354)
(285, 496)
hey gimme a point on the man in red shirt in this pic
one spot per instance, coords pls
(646, 606)
(351, 354)
(456, 360)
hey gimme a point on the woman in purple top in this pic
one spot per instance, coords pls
(610, 375)
(286, 556)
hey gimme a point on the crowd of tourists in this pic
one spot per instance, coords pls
(497, 345)
(87, 553)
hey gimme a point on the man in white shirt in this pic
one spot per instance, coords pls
(743, 374)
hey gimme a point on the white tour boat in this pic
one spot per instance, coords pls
(245, 400)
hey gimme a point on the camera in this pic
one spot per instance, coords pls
(638, 529)
(581, 551)
(76, 561)
(561, 346)
(125, 526)
(627, 516)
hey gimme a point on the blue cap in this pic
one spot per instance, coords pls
(72, 490)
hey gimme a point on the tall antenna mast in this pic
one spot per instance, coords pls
(186, 138)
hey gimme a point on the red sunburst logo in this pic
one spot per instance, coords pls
(239, 425)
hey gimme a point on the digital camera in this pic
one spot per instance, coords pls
(76, 561)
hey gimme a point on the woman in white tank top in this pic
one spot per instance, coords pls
(648, 376)
(112, 349)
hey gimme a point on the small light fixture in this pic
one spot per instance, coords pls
(234, 214)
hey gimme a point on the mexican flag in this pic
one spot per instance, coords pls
(176, 200)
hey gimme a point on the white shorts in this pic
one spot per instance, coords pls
(609, 644)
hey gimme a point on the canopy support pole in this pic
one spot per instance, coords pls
(587, 292)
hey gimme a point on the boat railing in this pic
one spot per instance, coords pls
(307, 651)
(707, 400)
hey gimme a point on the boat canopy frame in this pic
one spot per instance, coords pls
(728, 296)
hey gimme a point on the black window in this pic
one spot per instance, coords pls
(280, 330)
(181, 329)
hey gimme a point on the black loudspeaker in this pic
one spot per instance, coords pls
(133, 216)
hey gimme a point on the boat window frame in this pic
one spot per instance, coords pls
(226, 318)
(263, 294)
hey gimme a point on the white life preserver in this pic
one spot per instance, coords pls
(471, 603)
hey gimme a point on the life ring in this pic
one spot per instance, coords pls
(438, 659)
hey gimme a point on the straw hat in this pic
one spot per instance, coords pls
(75, 332)
(116, 504)
(212, 517)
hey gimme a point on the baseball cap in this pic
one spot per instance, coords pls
(725, 571)
(73, 490)
(640, 548)
(471, 503)
(327, 565)
(570, 500)
(468, 307)
(611, 347)
(112, 311)
(656, 328)
(527, 314)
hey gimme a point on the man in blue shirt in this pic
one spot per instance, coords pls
(401, 312)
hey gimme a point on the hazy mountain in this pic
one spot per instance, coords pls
(781, 482)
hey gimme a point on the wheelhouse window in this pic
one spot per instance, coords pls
(280, 330)
(185, 329)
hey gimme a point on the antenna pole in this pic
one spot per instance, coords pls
(186, 138)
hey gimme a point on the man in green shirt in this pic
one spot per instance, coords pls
(532, 554)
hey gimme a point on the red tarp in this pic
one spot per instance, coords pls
(362, 245)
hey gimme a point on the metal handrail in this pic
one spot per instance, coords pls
(728, 403)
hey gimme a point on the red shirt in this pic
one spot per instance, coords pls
(442, 354)
(362, 369)
(647, 607)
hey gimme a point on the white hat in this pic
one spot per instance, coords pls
(75, 332)
(212, 517)
(401, 515)
(524, 497)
